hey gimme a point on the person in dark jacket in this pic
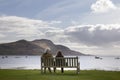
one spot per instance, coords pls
(46, 55)
(59, 62)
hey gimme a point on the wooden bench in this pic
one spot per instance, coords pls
(66, 62)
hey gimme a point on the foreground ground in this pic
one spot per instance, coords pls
(68, 75)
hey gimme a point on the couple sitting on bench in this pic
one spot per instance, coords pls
(58, 62)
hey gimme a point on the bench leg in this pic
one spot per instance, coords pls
(44, 69)
(78, 70)
(41, 70)
(62, 70)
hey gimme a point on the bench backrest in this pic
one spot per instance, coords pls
(60, 62)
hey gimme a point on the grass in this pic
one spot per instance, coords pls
(68, 75)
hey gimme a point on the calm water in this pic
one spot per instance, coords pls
(33, 62)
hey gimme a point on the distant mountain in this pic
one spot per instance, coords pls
(21, 47)
(36, 47)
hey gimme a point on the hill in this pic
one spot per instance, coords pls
(36, 47)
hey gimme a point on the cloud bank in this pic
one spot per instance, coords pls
(19, 27)
(98, 35)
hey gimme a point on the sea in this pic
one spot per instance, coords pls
(86, 62)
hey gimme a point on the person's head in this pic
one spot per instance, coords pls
(59, 54)
(47, 53)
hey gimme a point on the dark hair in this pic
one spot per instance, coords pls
(59, 54)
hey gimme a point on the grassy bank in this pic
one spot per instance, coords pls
(68, 75)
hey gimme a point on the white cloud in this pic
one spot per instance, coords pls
(110, 17)
(102, 6)
(19, 27)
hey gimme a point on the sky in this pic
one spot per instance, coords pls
(87, 26)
